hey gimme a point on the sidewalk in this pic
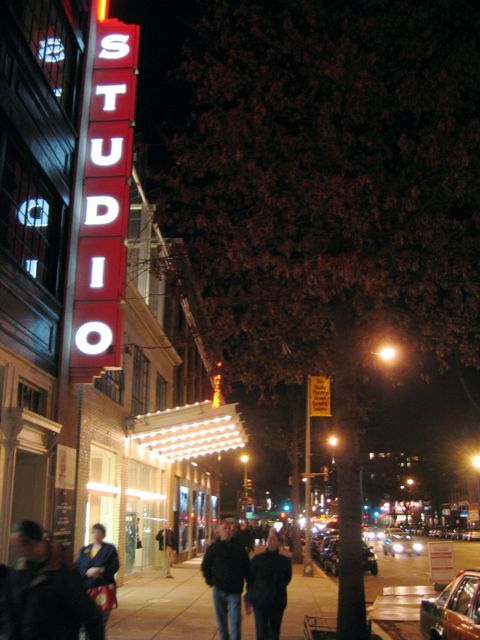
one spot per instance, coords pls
(154, 608)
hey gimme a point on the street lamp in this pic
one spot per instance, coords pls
(333, 442)
(387, 353)
(476, 461)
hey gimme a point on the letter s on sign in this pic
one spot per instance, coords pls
(114, 46)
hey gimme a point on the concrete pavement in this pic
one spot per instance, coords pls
(152, 607)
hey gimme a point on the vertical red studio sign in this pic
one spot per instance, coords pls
(97, 316)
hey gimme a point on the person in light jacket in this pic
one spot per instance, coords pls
(270, 573)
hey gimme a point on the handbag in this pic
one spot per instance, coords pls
(104, 596)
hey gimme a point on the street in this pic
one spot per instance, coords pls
(407, 571)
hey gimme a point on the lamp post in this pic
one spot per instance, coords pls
(244, 458)
(351, 593)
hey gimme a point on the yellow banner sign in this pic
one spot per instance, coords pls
(320, 397)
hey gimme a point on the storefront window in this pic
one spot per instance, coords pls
(183, 519)
(143, 516)
(214, 501)
(201, 523)
(102, 502)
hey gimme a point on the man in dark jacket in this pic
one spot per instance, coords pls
(225, 567)
(44, 600)
(270, 573)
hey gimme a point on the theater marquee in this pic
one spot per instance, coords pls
(100, 280)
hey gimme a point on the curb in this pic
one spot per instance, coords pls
(381, 633)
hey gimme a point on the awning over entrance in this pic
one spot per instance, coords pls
(190, 431)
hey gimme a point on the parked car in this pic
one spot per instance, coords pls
(324, 549)
(471, 534)
(332, 559)
(455, 534)
(455, 613)
(401, 543)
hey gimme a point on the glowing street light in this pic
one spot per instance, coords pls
(387, 353)
(476, 461)
(332, 441)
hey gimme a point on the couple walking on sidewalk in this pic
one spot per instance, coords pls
(226, 567)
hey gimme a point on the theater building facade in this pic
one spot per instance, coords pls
(105, 414)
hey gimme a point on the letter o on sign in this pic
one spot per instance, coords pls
(101, 329)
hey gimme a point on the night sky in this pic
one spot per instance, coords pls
(412, 417)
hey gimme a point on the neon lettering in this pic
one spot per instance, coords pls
(92, 211)
(97, 272)
(110, 91)
(114, 46)
(51, 50)
(100, 329)
(34, 212)
(101, 160)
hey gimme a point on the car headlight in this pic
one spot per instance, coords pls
(417, 546)
(398, 547)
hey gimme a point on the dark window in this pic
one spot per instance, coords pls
(51, 39)
(111, 383)
(140, 382)
(32, 399)
(32, 217)
(464, 595)
(161, 395)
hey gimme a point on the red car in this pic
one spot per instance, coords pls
(455, 613)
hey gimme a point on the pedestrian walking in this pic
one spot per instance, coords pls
(42, 598)
(167, 543)
(245, 537)
(225, 567)
(98, 563)
(270, 573)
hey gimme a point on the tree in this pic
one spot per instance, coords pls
(279, 419)
(326, 187)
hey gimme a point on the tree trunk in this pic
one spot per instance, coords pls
(351, 618)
